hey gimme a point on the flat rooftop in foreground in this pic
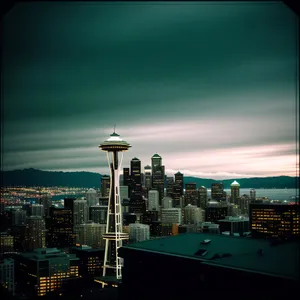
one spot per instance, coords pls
(248, 254)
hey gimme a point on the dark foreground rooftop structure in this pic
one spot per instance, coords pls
(202, 264)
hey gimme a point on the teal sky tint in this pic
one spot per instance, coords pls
(211, 87)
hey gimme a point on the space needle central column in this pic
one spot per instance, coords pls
(114, 235)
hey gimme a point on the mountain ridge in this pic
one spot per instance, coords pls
(35, 177)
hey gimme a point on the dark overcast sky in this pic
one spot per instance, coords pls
(210, 87)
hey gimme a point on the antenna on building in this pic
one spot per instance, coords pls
(115, 128)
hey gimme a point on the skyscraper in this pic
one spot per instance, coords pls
(170, 184)
(91, 234)
(202, 197)
(135, 168)
(153, 200)
(126, 176)
(156, 163)
(80, 213)
(217, 190)
(105, 186)
(114, 230)
(179, 181)
(35, 233)
(252, 194)
(37, 210)
(92, 197)
(46, 201)
(139, 232)
(148, 177)
(235, 192)
(191, 194)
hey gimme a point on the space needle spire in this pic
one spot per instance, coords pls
(114, 235)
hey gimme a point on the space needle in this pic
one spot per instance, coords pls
(112, 267)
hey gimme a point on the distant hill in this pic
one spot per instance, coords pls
(33, 177)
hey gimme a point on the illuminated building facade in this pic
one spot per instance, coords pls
(153, 200)
(191, 194)
(179, 181)
(6, 242)
(114, 235)
(135, 168)
(202, 197)
(126, 177)
(90, 260)
(44, 270)
(193, 214)
(217, 191)
(176, 196)
(235, 192)
(98, 214)
(80, 213)
(7, 274)
(46, 201)
(60, 228)
(139, 232)
(275, 220)
(92, 197)
(37, 210)
(18, 217)
(148, 177)
(148, 217)
(171, 216)
(158, 176)
(167, 202)
(91, 234)
(35, 233)
(169, 186)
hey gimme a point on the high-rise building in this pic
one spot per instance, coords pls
(6, 242)
(169, 188)
(44, 270)
(171, 216)
(215, 211)
(35, 233)
(60, 228)
(7, 275)
(202, 197)
(177, 196)
(153, 200)
(80, 212)
(126, 177)
(193, 214)
(139, 232)
(158, 176)
(156, 163)
(191, 194)
(91, 234)
(37, 210)
(18, 217)
(235, 192)
(179, 181)
(105, 185)
(252, 194)
(217, 191)
(98, 214)
(275, 220)
(92, 197)
(114, 235)
(148, 177)
(135, 168)
(167, 202)
(69, 203)
(124, 192)
(46, 201)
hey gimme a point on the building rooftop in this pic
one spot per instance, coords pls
(91, 191)
(135, 159)
(47, 253)
(248, 254)
(156, 156)
(235, 183)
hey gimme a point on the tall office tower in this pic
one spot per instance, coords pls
(135, 167)
(46, 201)
(177, 196)
(125, 206)
(91, 234)
(80, 213)
(98, 214)
(35, 233)
(167, 202)
(156, 163)
(18, 217)
(235, 192)
(202, 196)
(252, 194)
(126, 177)
(37, 210)
(179, 181)
(114, 235)
(60, 228)
(171, 216)
(191, 194)
(92, 197)
(7, 275)
(148, 176)
(6, 242)
(215, 211)
(139, 232)
(105, 185)
(217, 190)
(153, 200)
(193, 214)
(170, 184)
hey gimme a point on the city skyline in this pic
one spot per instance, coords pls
(211, 88)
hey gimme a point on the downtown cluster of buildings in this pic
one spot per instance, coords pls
(44, 246)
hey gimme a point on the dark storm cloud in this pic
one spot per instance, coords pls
(85, 66)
